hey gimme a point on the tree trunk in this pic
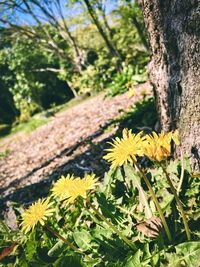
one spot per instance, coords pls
(105, 22)
(112, 49)
(69, 85)
(174, 31)
(140, 32)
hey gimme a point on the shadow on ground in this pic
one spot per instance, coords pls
(142, 116)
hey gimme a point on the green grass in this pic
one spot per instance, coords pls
(30, 125)
(27, 127)
(4, 154)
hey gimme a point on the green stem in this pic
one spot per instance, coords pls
(182, 173)
(178, 203)
(65, 241)
(162, 217)
(103, 218)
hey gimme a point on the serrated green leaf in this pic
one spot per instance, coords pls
(130, 173)
(107, 181)
(31, 246)
(134, 260)
(101, 232)
(118, 174)
(108, 208)
(190, 252)
(187, 164)
(83, 239)
(173, 166)
(187, 254)
(167, 202)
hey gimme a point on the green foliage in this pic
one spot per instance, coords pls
(4, 154)
(141, 115)
(125, 80)
(8, 111)
(187, 254)
(88, 82)
(42, 66)
(124, 200)
(30, 89)
(8, 239)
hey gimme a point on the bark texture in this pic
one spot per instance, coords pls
(174, 36)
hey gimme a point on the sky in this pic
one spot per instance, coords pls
(72, 11)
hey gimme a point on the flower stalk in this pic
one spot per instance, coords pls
(182, 173)
(103, 218)
(178, 203)
(153, 195)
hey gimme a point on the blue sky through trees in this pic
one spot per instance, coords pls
(21, 17)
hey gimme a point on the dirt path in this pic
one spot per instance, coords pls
(66, 144)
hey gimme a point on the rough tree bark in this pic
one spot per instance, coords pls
(174, 31)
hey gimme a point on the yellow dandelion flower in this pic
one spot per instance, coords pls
(74, 191)
(158, 146)
(89, 182)
(62, 186)
(70, 187)
(36, 213)
(124, 150)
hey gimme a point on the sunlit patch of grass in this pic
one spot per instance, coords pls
(30, 125)
(4, 154)
(26, 127)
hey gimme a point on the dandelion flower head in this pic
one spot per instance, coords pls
(63, 186)
(124, 150)
(70, 187)
(89, 182)
(38, 212)
(158, 146)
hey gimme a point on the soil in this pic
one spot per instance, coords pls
(74, 141)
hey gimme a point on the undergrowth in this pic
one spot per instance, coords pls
(138, 216)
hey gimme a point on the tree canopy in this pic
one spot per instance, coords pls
(53, 50)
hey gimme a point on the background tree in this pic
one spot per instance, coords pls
(47, 42)
(132, 13)
(50, 24)
(24, 85)
(174, 30)
(94, 16)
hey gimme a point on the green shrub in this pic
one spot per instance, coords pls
(124, 80)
